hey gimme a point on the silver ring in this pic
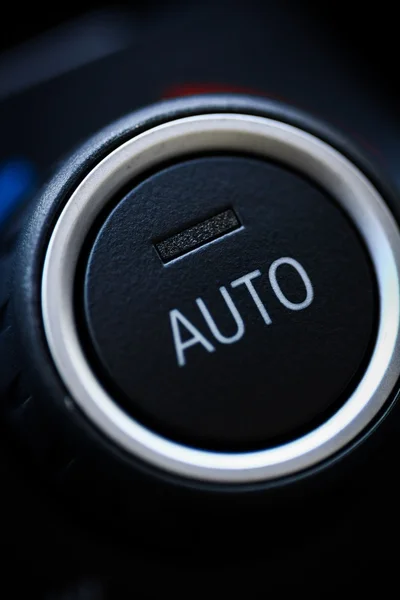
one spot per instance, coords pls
(273, 140)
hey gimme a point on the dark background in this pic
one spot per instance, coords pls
(368, 30)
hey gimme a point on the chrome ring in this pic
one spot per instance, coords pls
(239, 133)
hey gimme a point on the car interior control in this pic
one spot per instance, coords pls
(202, 317)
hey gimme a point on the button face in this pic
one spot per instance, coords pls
(227, 303)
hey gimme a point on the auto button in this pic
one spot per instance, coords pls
(227, 302)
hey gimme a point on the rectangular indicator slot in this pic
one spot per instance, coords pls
(196, 236)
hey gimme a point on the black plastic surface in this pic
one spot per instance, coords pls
(92, 508)
(253, 375)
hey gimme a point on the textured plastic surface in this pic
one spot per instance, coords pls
(187, 347)
(116, 512)
(198, 235)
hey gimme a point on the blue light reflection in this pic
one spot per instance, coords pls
(18, 179)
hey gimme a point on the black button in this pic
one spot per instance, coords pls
(227, 303)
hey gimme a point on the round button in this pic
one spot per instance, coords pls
(209, 294)
(227, 303)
